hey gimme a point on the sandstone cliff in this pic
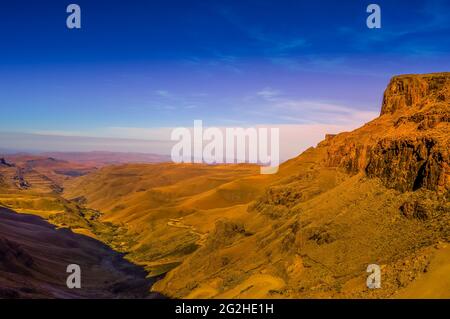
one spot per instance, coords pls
(407, 147)
(413, 91)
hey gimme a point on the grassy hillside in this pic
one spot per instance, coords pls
(167, 209)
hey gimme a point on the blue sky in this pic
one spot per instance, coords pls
(151, 64)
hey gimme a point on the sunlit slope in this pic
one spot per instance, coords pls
(435, 281)
(167, 209)
(377, 195)
(318, 244)
(34, 185)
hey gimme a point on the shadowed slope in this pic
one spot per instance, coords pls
(34, 257)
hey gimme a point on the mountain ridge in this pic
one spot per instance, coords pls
(392, 172)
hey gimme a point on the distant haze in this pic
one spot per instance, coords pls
(293, 140)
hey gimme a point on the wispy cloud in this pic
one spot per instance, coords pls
(270, 42)
(170, 101)
(409, 37)
(268, 93)
(163, 93)
(283, 108)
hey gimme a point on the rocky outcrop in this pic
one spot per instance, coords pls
(349, 156)
(407, 147)
(225, 233)
(414, 210)
(408, 91)
(20, 182)
(3, 162)
(409, 164)
(424, 120)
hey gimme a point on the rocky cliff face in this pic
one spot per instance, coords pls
(414, 91)
(410, 164)
(407, 147)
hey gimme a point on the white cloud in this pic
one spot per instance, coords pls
(283, 108)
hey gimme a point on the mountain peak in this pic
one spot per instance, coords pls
(416, 90)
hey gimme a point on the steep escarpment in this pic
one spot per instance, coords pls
(413, 91)
(410, 163)
(407, 147)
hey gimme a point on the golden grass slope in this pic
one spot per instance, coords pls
(167, 209)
